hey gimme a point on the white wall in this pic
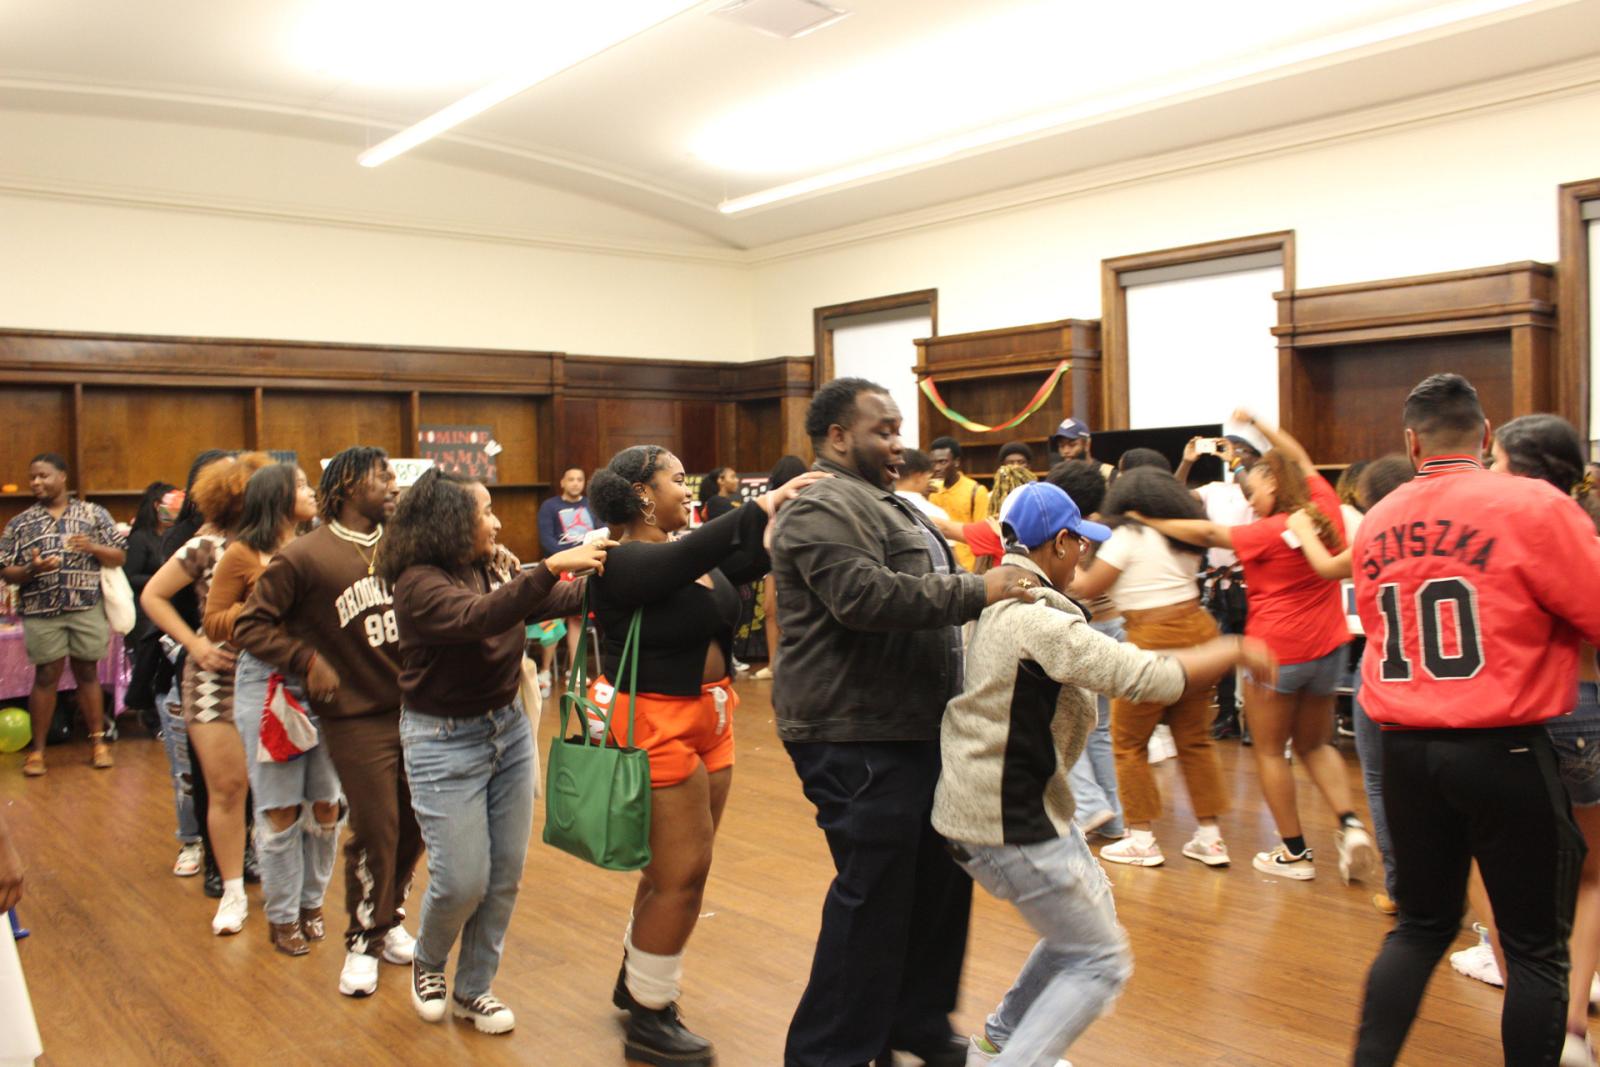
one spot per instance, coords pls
(1199, 348)
(83, 249)
(1466, 192)
(880, 347)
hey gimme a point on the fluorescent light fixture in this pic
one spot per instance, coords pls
(583, 31)
(850, 117)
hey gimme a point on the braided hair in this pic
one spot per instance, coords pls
(340, 477)
(1007, 479)
(611, 492)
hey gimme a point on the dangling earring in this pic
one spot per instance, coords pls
(649, 512)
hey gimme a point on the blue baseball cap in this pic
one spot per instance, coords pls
(1071, 429)
(1038, 511)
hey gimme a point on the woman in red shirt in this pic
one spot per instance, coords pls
(1299, 616)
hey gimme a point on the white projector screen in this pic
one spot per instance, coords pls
(880, 348)
(1200, 347)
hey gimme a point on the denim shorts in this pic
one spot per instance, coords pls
(1315, 677)
(1576, 739)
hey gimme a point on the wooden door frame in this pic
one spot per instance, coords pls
(1114, 304)
(1572, 303)
(822, 318)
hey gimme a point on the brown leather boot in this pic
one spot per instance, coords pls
(312, 924)
(287, 939)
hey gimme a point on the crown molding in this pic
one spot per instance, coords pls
(1568, 79)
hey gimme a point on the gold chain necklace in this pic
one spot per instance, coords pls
(371, 561)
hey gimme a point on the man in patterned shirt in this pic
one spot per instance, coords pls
(54, 550)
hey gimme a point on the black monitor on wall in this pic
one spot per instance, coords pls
(1109, 445)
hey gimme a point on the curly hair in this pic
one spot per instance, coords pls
(611, 492)
(1135, 458)
(146, 517)
(344, 472)
(1007, 479)
(1348, 482)
(1294, 494)
(435, 524)
(1152, 491)
(835, 405)
(219, 490)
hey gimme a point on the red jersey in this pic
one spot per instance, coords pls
(1292, 608)
(982, 539)
(1475, 590)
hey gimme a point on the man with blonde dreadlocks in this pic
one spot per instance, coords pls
(321, 610)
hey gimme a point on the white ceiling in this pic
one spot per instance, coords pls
(621, 127)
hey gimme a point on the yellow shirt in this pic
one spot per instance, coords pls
(964, 501)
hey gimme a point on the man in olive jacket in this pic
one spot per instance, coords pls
(870, 604)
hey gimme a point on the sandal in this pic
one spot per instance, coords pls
(33, 766)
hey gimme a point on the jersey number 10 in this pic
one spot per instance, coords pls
(1433, 599)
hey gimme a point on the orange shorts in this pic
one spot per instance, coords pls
(679, 733)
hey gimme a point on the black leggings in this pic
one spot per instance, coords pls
(1453, 796)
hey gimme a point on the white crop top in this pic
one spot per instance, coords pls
(1154, 574)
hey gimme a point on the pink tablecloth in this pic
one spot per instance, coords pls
(16, 673)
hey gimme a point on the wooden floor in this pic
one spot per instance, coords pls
(1231, 967)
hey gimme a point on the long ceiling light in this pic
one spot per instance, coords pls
(1100, 106)
(585, 31)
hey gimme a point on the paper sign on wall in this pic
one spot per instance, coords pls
(467, 450)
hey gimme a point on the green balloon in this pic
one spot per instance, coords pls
(16, 730)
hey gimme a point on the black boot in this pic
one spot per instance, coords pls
(252, 867)
(658, 1036)
(213, 880)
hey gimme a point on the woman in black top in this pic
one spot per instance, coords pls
(144, 559)
(683, 718)
(719, 493)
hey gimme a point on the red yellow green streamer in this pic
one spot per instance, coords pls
(931, 391)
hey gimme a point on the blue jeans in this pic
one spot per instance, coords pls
(1369, 750)
(297, 861)
(1576, 738)
(1094, 777)
(175, 739)
(472, 789)
(1082, 960)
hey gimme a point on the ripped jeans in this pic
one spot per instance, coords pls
(175, 739)
(297, 861)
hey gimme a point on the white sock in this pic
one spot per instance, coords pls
(1143, 838)
(652, 979)
(1208, 835)
(233, 887)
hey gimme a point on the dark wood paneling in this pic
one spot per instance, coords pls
(132, 437)
(317, 425)
(759, 435)
(1572, 276)
(580, 443)
(624, 423)
(1344, 351)
(1370, 382)
(515, 420)
(37, 419)
(698, 444)
(1114, 302)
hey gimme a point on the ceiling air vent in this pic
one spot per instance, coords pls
(781, 18)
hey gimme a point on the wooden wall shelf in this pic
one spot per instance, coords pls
(127, 410)
(990, 375)
(1349, 354)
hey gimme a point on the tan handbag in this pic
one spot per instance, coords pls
(533, 707)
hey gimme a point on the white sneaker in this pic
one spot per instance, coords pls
(488, 1015)
(1358, 856)
(545, 684)
(190, 858)
(1131, 852)
(1478, 962)
(1594, 992)
(359, 978)
(763, 675)
(231, 912)
(428, 994)
(1161, 746)
(1210, 853)
(399, 947)
(1576, 1051)
(978, 1054)
(1280, 863)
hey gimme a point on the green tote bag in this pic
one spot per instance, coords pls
(597, 796)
